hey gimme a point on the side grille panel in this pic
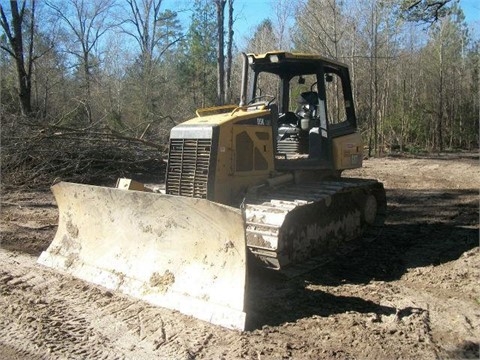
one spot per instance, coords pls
(188, 167)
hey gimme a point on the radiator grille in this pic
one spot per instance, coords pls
(188, 167)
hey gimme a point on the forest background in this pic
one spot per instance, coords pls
(90, 89)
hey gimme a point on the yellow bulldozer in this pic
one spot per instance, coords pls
(248, 185)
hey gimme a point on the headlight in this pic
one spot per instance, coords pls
(273, 58)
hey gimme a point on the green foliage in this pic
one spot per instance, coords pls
(197, 62)
(425, 10)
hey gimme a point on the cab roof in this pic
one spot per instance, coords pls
(282, 62)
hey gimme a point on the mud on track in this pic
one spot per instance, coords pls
(413, 293)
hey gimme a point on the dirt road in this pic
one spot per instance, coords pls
(414, 293)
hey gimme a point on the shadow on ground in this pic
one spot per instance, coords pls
(423, 228)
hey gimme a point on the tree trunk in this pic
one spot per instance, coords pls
(17, 51)
(228, 74)
(220, 56)
(440, 105)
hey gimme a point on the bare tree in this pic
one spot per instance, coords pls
(228, 72)
(21, 52)
(86, 22)
(156, 31)
(284, 11)
(428, 11)
(153, 29)
(263, 38)
(322, 25)
(220, 5)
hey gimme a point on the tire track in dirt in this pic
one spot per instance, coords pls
(412, 294)
(65, 317)
(453, 312)
(34, 312)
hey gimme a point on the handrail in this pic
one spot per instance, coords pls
(262, 106)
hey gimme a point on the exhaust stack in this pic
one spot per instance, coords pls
(243, 88)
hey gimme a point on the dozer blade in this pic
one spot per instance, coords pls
(176, 252)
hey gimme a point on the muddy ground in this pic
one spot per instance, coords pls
(413, 293)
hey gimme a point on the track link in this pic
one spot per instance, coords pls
(305, 224)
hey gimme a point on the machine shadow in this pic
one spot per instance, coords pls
(299, 302)
(423, 228)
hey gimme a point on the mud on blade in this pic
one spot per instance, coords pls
(180, 253)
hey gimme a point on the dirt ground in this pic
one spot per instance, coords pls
(413, 293)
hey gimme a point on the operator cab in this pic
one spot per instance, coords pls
(313, 98)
